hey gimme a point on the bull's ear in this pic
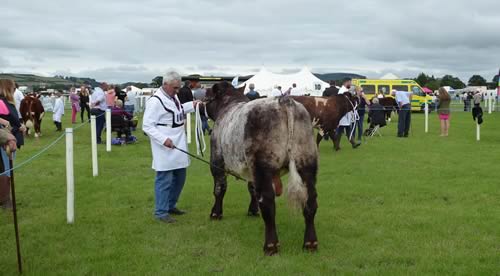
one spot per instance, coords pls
(241, 90)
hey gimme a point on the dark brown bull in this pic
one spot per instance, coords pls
(32, 112)
(326, 112)
(261, 140)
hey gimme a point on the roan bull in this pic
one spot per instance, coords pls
(262, 140)
(326, 112)
(32, 112)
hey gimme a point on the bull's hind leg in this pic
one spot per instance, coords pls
(253, 208)
(308, 175)
(265, 195)
(220, 186)
(319, 137)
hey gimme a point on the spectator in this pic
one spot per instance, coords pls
(75, 104)
(252, 94)
(199, 94)
(130, 101)
(477, 99)
(120, 94)
(444, 110)
(403, 98)
(58, 112)
(98, 107)
(8, 145)
(186, 94)
(9, 119)
(331, 91)
(8, 110)
(18, 97)
(84, 102)
(110, 96)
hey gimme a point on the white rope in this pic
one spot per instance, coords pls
(354, 118)
(198, 130)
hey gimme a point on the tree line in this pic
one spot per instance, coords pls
(434, 83)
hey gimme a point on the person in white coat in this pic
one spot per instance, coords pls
(345, 122)
(58, 111)
(163, 122)
(18, 97)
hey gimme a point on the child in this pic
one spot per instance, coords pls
(58, 111)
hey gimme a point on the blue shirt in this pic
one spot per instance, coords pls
(402, 97)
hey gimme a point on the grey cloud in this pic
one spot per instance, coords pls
(134, 40)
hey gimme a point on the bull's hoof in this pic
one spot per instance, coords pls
(271, 249)
(215, 216)
(311, 246)
(252, 213)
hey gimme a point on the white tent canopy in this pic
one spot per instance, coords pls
(389, 76)
(307, 83)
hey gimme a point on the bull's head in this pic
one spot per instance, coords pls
(220, 95)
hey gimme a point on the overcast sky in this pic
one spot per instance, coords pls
(120, 40)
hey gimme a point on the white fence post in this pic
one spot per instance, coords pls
(426, 117)
(478, 132)
(70, 178)
(108, 130)
(188, 127)
(93, 134)
(490, 102)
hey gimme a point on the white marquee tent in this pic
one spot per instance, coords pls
(307, 83)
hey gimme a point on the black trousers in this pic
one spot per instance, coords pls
(82, 110)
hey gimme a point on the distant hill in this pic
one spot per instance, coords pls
(40, 83)
(338, 76)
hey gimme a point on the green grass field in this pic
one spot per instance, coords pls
(421, 205)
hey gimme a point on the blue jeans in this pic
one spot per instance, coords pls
(5, 160)
(360, 125)
(168, 188)
(204, 124)
(100, 120)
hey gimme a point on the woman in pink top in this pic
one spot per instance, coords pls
(75, 104)
(110, 97)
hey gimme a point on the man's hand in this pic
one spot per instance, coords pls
(196, 102)
(168, 143)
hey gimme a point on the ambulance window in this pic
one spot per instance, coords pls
(384, 89)
(400, 87)
(368, 89)
(417, 91)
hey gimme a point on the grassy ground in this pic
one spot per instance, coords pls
(421, 205)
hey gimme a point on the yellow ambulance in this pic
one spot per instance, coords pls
(373, 87)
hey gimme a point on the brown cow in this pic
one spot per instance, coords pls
(326, 112)
(261, 140)
(32, 112)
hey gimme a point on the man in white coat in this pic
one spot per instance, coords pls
(58, 111)
(163, 122)
(345, 122)
(18, 97)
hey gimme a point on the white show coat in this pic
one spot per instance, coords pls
(58, 110)
(346, 120)
(160, 124)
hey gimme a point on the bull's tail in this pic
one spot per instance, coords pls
(297, 190)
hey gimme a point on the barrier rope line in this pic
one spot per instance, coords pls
(35, 156)
(52, 144)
